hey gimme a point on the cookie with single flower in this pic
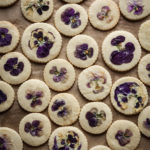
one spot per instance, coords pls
(73, 1)
(82, 51)
(95, 117)
(37, 10)
(6, 3)
(71, 19)
(94, 83)
(68, 138)
(35, 129)
(129, 95)
(59, 75)
(121, 51)
(104, 15)
(41, 42)
(100, 147)
(9, 36)
(15, 68)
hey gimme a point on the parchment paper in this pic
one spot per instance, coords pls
(12, 117)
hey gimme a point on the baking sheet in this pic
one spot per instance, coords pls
(12, 117)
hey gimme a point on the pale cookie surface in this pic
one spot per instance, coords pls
(41, 42)
(62, 138)
(34, 95)
(64, 109)
(95, 117)
(10, 139)
(144, 121)
(123, 135)
(73, 1)
(15, 68)
(37, 10)
(144, 69)
(82, 51)
(104, 15)
(121, 51)
(71, 19)
(135, 9)
(59, 75)
(144, 35)
(35, 129)
(9, 36)
(100, 147)
(7, 95)
(129, 95)
(94, 83)
(6, 3)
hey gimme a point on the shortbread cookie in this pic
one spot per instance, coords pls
(144, 35)
(64, 109)
(41, 42)
(68, 138)
(9, 36)
(82, 51)
(7, 95)
(71, 19)
(37, 10)
(10, 139)
(95, 117)
(73, 1)
(135, 9)
(15, 68)
(59, 75)
(144, 121)
(144, 69)
(104, 15)
(121, 50)
(34, 95)
(6, 3)
(100, 147)
(129, 95)
(123, 135)
(94, 83)
(35, 129)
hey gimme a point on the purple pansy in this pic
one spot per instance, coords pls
(95, 118)
(123, 137)
(147, 123)
(3, 144)
(104, 13)
(33, 128)
(59, 76)
(3, 97)
(70, 17)
(35, 97)
(148, 68)
(13, 66)
(135, 6)
(83, 51)
(123, 54)
(5, 37)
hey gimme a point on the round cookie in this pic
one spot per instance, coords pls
(144, 35)
(37, 10)
(35, 129)
(15, 68)
(59, 75)
(9, 36)
(144, 121)
(123, 135)
(71, 19)
(129, 95)
(10, 139)
(41, 42)
(6, 3)
(135, 9)
(7, 96)
(94, 83)
(144, 69)
(73, 1)
(82, 51)
(68, 138)
(121, 51)
(34, 95)
(104, 15)
(100, 147)
(95, 117)
(64, 109)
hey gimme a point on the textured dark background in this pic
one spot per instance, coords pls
(12, 117)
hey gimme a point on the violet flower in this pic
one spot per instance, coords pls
(104, 13)
(3, 144)
(147, 123)
(148, 68)
(3, 97)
